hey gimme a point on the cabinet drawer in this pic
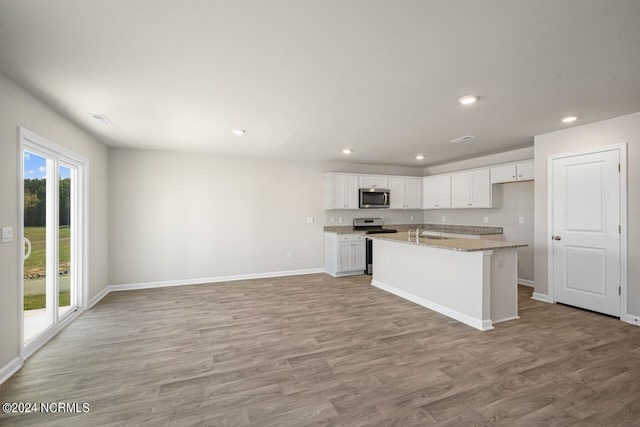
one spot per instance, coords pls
(350, 237)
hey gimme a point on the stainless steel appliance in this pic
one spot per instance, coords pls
(374, 198)
(370, 226)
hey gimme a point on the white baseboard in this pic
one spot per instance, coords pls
(200, 281)
(631, 318)
(506, 319)
(483, 325)
(216, 279)
(526, 282)
(540, 297)
(103, 293)
(9, 369)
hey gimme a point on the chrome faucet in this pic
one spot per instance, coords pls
(417, 232)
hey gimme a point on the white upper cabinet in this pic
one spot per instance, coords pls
(396, 193)
(436, 192)
(341, 191)
(471, 189)
(374, 181)
(503, 174)
(525, 171)
(413, 193)
(405, 192)
(522, 171)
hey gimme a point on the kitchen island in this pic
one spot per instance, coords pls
(472, 281)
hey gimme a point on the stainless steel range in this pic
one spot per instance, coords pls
(370, 226)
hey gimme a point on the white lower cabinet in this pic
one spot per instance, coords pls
(345, 254)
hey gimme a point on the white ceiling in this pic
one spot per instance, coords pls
(308, 78)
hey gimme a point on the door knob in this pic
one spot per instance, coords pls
(557, 238)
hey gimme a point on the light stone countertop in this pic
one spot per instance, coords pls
(478, 230)
(460, 245)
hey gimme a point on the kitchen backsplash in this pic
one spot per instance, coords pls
(390, 216)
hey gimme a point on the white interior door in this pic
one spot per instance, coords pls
(586, 231)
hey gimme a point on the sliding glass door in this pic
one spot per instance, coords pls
(51, 233)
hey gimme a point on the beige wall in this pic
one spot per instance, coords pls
(19, 108)
(479, 162)
(181, 216)
(517, 201)
(607, 132)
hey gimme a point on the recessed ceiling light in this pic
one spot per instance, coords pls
(102, 118)
(462, 139)
(569, 119)
(347, 151)
(468, 99)
(420, 157)
(239, 131)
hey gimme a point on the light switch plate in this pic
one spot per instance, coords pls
(521, 220)
(310, 220)
(7, 234)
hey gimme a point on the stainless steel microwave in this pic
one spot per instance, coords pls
(374, 198)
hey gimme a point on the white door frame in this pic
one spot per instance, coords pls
(26, 140)
(622, 147)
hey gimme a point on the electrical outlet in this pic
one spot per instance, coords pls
(486, 219)
(339, 220)
(333, 220)
(444, 219)
(411, 218)
(310, 220)
(521, 220)
(289, 255)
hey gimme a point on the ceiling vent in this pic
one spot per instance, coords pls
(102, 119)
(463, 139)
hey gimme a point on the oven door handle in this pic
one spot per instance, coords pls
(386, 198)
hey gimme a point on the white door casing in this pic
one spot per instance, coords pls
(586, 267)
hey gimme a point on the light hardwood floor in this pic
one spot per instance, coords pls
(315, 350)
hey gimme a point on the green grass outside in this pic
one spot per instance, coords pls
(36, 264)
(35, 302)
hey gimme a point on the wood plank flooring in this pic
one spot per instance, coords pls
(315, 350)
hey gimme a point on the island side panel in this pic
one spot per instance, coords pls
(446, 281)
(504, 285)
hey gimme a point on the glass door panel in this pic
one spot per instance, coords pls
(37, 311)
(65, 224)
